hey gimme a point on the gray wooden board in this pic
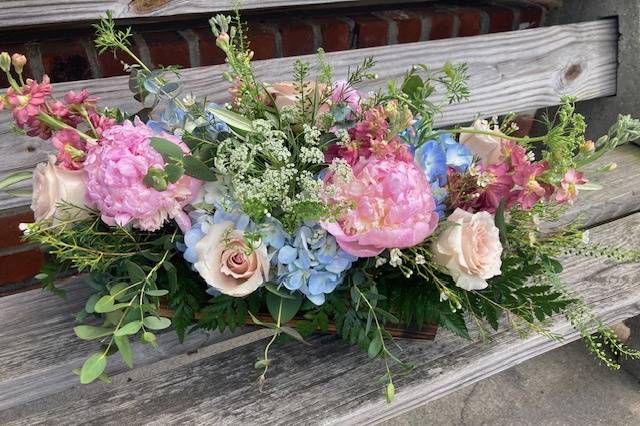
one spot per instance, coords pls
(511, 71)
(327, 383)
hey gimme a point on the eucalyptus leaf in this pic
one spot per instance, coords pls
(285, 308)
(375, 346)
(293, 333)
(104, 304)
(174, 172)
(197, 169)
(136, 274)
(149, 337)
(131, 328)
(90, 332)
(14, 178)
(273, 289)
(91, 302)
(233, 119)
(92, 368)
(170, 87)
(156, 293)
(166, 148)
(156, 323)
(122, 342)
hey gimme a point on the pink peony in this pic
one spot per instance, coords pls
(115, 169)
(343, 92)
(568, 191)
(390, 206)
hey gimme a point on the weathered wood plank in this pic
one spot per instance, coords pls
(329, 382)
(513, 71)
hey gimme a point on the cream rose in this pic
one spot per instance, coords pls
(56, 190)
(487, 148)
(227, 263)
(470, 250)
(288, 94)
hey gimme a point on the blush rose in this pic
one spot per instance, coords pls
(488, 148)
(470, 250)
(228, 264)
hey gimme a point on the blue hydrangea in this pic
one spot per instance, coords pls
(312, 263)
(174, 117)
(432, 158)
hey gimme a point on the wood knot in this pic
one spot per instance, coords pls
(572, 72)
(143, 6)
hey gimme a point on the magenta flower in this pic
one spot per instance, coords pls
(115, 169)
(499, 183)
(568, 191)
(29, 103)
(71, 148)
(390, 206)
(344, 93)
(532, 190)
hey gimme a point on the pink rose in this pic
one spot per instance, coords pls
(56, 191)
(470, 250)
(288, 94)
(228, 264)
(488, 148)
(389, 206)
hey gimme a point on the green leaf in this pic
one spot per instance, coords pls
(90, 332)
(131, 328)
(167, 149)
(156, 323)
(122, 342)
(91, 302)
(92, 368)
(589, 186)
(286, 307)
(20, 193)
(233, 119)
(375, 346)
(174, 172)
(260, 364)
(388, 316)
(117, 291)
(104, 304)
(500, 222)
(390, 392)
(157, 293)
(136, 274)
(273, 289)
(411, 84)
(14, 178)
(293, 333)
(355, 297)
(197, 169)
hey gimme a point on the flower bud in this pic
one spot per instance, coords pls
(222, 40)
(5, 62)
(251, 53)
(18, 61)
(588, 146)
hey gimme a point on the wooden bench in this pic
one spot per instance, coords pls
(210, 378)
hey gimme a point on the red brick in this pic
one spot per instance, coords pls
(371, 31)
(210, 54)
(167, 48)
(20, 266)
(500, 19)
(441, 23)
(111, 65)
(10, 235)
(469, 21)
(531, 17)
(65, 60)
(262, 41)
(297, 39)
(336, 35)
(409, 25)
(525, 123)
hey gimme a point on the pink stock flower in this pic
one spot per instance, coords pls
(374, 126)
(514, 154)
(71, 148)
(115, 169)
(343, 92)
(100, 123)
(82, 97)
(27, 105)
(568, 191)
(498, 187)
(391, 206)
(526, 176)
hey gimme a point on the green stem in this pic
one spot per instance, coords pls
(525, 139)
(58, 125)
(273, 339)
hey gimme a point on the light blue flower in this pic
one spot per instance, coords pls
(459, 157)
(312, 262)
(432, 158)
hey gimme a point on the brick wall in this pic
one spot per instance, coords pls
(71, 56)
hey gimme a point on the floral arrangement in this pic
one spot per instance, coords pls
(304, 199)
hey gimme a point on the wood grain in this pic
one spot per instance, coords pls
(512, 71)
(326, 383)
